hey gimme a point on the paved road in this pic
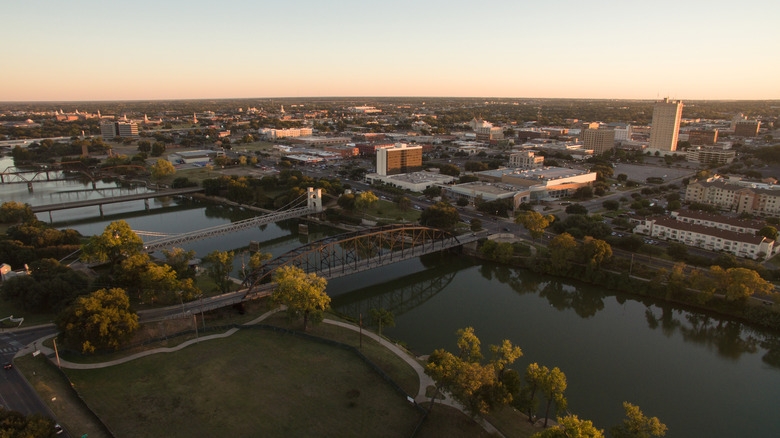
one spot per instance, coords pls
(15, 393)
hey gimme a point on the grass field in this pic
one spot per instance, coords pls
(254, 383)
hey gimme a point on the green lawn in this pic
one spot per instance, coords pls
(8, 308)
(254, 383)
(388, 211)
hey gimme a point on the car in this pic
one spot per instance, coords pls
(58, 429)
(8, 365)
(507, 229)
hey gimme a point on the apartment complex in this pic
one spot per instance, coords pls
(759, 199)
(400, 158)
(666, 125)
(526, 160)
(119, 129)
(712, 238)
(599, 140)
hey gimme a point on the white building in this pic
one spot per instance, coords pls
(273, 134)
(711, 238)
(526, 160)
(416, 181)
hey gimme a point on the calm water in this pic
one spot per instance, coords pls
(702, 375)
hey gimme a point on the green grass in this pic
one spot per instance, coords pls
(71, 413)
(512, 423)
(8, 308)
(254, 383)
(389, 211)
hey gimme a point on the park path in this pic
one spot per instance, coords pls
(425, 381)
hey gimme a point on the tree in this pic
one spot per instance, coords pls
(480, 387)
(49, 287)
(553, 387)
(534, 377)
(583, 193)
(476, 225)
(14, 424)
(742, 283)
(144, 146)
(576, 209)
(256, 261)
(611, 204)
(14, 212)
(596, 251)
(158, 148)
(100, 320)
(534, 222)
(365, 200)
(440, 215)
(563, 248)
(179, 260)
(303, 294)
(162, 168)
(403, 202)
(219, 265)
(383, 318)
(432, 192)
(637, 425)
(769, 232)
(117, 242)
(449, 169)
(346, 201)
(571, 427)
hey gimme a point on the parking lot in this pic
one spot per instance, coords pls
(640, 173)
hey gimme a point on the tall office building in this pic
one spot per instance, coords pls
(400, 158)
(666, 124)
(119, 129)
(599, 140)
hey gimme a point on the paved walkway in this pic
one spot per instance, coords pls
(424, 379)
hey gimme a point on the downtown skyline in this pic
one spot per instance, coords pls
(88, 50)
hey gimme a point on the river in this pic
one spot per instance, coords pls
(702, 375)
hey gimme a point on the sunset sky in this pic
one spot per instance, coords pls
(107, 50)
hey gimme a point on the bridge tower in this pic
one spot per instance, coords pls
(314, 199)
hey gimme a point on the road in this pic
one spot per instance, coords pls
(15, 393)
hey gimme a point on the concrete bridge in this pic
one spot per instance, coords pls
(114, 199)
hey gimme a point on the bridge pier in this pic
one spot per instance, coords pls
(146, 204)
(30, 187)
(100, 207)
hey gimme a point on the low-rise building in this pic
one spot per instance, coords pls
(716, 239)
(489, 192)
(747, 128)
(273, 134)
(415, 181)
(544, 183)
(718, 221)
(735, 195)
(709, 155)
(526, 160)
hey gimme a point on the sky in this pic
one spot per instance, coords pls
(55, 50)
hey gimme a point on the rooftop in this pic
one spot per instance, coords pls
(541, 173)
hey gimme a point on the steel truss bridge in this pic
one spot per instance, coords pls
(357, 251)
(313, 204)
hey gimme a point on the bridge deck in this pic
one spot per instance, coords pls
(114, 199)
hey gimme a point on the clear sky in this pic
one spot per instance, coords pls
(171, 49)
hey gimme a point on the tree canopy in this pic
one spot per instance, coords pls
(534, 222)
(117, 242)
(219, 265)
(303, 294)
(100, 320)
(440, 215)
(637, 425)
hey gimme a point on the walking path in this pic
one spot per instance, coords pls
(425, 381)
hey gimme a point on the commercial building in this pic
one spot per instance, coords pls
(737, 196)
(544, 183)
(666, 125)
(400, 158)
(747, 128)
(712, 238)
(489, 133)
(416, 181)
(192, 157)
(526, 160)
(599, 140)
(273, 134)
(346, 151)
(321, 141)
(119, 129)
(489, 192)
(703, 137)
(710, 155)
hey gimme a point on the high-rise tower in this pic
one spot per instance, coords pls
(666, 124)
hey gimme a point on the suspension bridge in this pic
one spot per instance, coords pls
(308, 203)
